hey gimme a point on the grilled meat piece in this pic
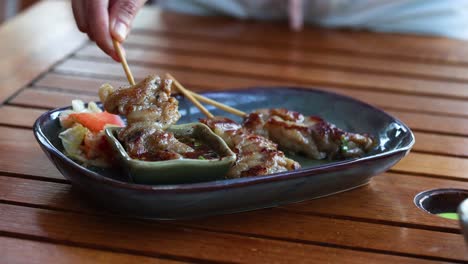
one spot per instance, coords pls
(147, 141)
(256, 155)
(148, 100)
(311, 136)
(149, 109)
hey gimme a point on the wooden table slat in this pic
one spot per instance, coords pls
(420, 121)
(15, 250)
(421, 80)
(322, 59)
(268, 223)
(433, 123)
(44, 98)
(362, 43)
(434, 165)
(28, 49)
(19, 116)
(284, 72)
(19, 142)
(126, 234)
(441, 144)
(388, 100)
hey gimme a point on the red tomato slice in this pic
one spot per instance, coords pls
(96, 121)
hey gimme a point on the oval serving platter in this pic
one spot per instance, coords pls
(112, 190)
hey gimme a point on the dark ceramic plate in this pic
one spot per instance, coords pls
(111, 189)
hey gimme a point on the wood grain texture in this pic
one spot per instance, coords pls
(21, 154)
(379, 197)
(419, 121)
(441, 144)
(278, 54)
(19, 116)
(218, 81)
(16, 251)
(361, 43)
(277, 224)
(163, 239)
(292, 72)
(387, 198)
(77, 84)
(28, 49)
(434, 165)
(433, 123)
(421, 80)
(45, 98)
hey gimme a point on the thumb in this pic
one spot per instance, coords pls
(121, 15)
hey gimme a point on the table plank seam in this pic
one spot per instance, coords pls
(310, 83)
(68, 92)
(15, 126)
(33, 177)
(421, 174)
(332, 245)
(45, 87)
(43, 73)
(109, 249)
(374, 221)
(279, 78)
(281, 208)
(18, 245)
(312, 65)
(318, 86)
(436, 153)
(196, 227)
(440, 154)
(357, 53)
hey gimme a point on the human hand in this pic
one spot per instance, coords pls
(103, 20)
(296, 15)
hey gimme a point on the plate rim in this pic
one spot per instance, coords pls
(227, 183)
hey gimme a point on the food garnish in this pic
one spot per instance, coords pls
(83, 138)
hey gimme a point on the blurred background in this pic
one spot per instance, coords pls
(9, 8)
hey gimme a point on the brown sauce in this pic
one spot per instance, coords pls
(202, 150)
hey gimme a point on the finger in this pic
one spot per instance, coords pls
(98, 26)
(122, 14)
(78, 7)
(86, 6)
(296, 17)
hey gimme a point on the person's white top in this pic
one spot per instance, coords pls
(434, 17)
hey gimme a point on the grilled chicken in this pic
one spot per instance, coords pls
(148, 100)
(256, 155)
(149, 109)
(147, 141)
(311, 136)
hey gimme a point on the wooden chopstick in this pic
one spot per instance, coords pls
(218, 105)
(123, 60)
(188, 94)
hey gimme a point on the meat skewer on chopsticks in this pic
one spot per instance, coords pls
(150, 110)
(256, 155)
(311, 136)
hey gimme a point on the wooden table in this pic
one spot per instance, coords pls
(46, 62)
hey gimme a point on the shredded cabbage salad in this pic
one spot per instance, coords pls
(83, 138)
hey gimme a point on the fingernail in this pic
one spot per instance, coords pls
(121, 30)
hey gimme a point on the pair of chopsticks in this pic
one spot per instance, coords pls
(193, 97)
